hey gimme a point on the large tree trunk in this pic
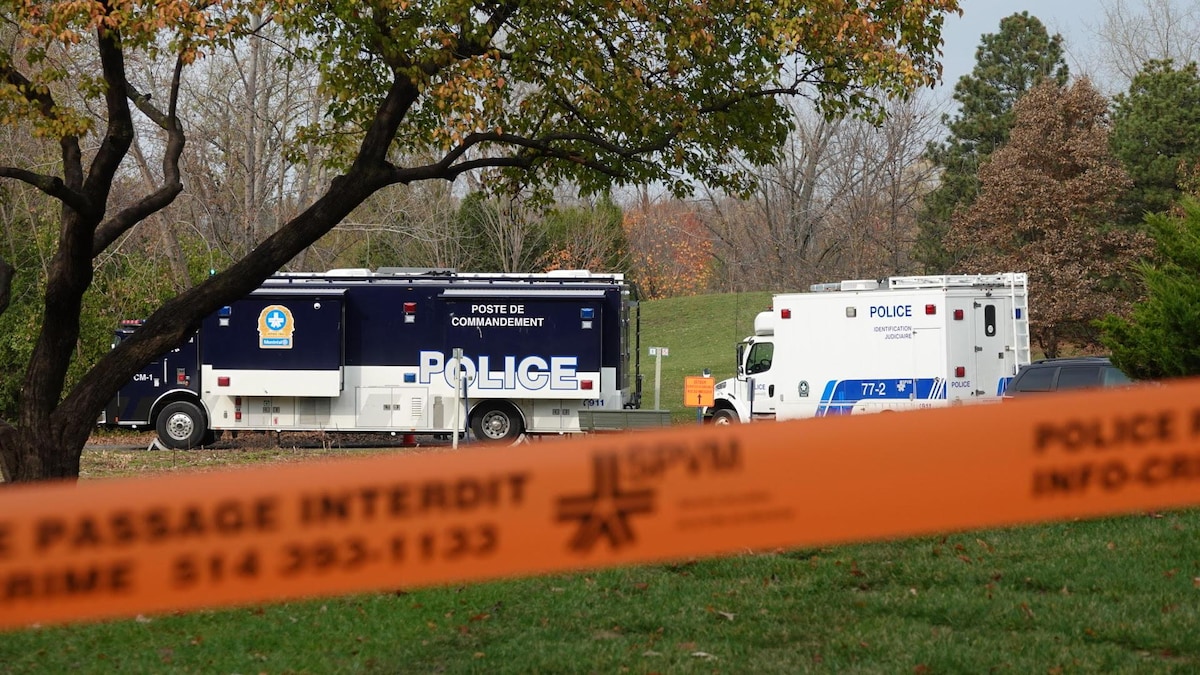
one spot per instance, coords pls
(48, 441)
(32, 455)
(47, 438)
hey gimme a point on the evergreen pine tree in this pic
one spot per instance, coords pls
(1007, 64)
(1162, 336)
(1156, 136)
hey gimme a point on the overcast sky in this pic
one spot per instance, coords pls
(1074, 19)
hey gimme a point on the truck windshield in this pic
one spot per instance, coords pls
(759, 359)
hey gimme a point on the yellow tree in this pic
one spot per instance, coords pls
(593, 93)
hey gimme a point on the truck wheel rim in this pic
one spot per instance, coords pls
(180, 426)
(495, 425)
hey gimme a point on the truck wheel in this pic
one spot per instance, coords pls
(494, 422)
(181, 425)
(724, 417)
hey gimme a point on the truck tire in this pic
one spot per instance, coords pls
(724, 417)
(496, 422)
(181, 425)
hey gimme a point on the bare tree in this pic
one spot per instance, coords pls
(779, 233)
(1133, 33)
(587, 235)
(246, 107)
(404, 226)
(839, 202)
(882, 177)
(509, 229)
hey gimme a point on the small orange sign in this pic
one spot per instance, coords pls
(698, 391)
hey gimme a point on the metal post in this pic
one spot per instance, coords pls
(456, 360)
(657, 377)
(658, 353)
(462, 374)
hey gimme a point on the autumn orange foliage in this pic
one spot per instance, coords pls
(1045, 203)
(671, 252)
(570, 258)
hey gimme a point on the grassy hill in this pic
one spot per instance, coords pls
(700, 332)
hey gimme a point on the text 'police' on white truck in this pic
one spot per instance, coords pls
(363, 351)
(900, 343)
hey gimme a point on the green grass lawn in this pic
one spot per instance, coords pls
(1109, 595)
(1113, 595)
(701, 332)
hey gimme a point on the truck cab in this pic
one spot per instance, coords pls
(170, 381)
(754, 391)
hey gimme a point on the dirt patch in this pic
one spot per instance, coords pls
(272, 439)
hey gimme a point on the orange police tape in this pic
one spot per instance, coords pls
(122, 547)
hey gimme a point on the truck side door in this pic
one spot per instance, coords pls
(171, 371)
(761, 378)
(994, 356)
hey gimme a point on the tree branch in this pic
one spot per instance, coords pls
(377, 141)
(450, 168)
(42, 97)
(51, 185)
(172, 185)
(118, 135)
(54, 187)
(6, 277)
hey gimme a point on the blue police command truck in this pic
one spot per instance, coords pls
(356, 350)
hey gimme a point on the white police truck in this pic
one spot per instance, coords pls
(861, 346)
(360, 350)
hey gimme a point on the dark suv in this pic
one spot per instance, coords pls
(1079, 372)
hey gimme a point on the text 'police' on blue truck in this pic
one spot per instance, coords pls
(862, 346)
(356, 350)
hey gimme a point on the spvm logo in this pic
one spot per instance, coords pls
(624, 488)
(275, 327)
